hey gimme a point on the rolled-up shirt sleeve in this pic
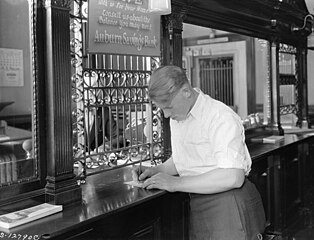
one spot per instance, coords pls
(227, 138)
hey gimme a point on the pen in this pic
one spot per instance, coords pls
(140, 168)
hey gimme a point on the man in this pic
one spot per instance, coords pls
(102, 132)
(209, 160)
(103, 127)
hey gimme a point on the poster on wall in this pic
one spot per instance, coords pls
(123, 27)
(11, 67)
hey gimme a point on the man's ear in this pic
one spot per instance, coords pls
(186, 91)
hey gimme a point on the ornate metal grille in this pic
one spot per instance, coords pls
(114, 123)
(288, 80)
(217, 78)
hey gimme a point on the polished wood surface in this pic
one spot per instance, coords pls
(280, 171)
(103, 195)
(106, 195)
(260, 150)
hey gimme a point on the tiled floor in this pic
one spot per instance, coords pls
(303, 229)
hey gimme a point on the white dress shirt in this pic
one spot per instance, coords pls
(211, 137)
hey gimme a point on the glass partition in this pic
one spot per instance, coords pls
(17, 95)
(230, 67)
(236, 70)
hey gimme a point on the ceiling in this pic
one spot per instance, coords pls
(194, 31)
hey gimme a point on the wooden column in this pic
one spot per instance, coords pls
(172, 26)
(61, 187)
(302, 89)
(274, 89)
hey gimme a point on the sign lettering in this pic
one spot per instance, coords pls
(123, 27)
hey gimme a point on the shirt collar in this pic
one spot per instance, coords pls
(196, 111)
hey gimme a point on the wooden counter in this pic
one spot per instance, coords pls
(259, 150)
(110, 208)
(281, 171)
(113, 210)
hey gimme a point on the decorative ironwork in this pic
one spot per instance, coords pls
(34, 64)
(289, 75)
(287, 109)
(78, 17)
(287, 79)
(174, 21)
(298, 97)
(217, 78)
(124, 93)
(57, 3)
(103, 84)
(285, 48)
(268, 98)
(117, 87)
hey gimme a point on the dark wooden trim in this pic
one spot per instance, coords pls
(165, 53)
(19, 192)
(19, 197)
(251, 77)
(61, 187)
(287, 79)
(41, 95)
(275, 81)
(264, 19)
(172, 55)
(302, 88)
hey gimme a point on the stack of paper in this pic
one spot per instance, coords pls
(272, 139)
(23, 216)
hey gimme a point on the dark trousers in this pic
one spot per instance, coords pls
(237, 214)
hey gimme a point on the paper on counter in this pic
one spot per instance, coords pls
(134, 183)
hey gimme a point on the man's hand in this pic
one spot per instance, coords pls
(162, 181)
(141, 176)
(103, 147)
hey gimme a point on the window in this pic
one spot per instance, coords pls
(20, 170)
